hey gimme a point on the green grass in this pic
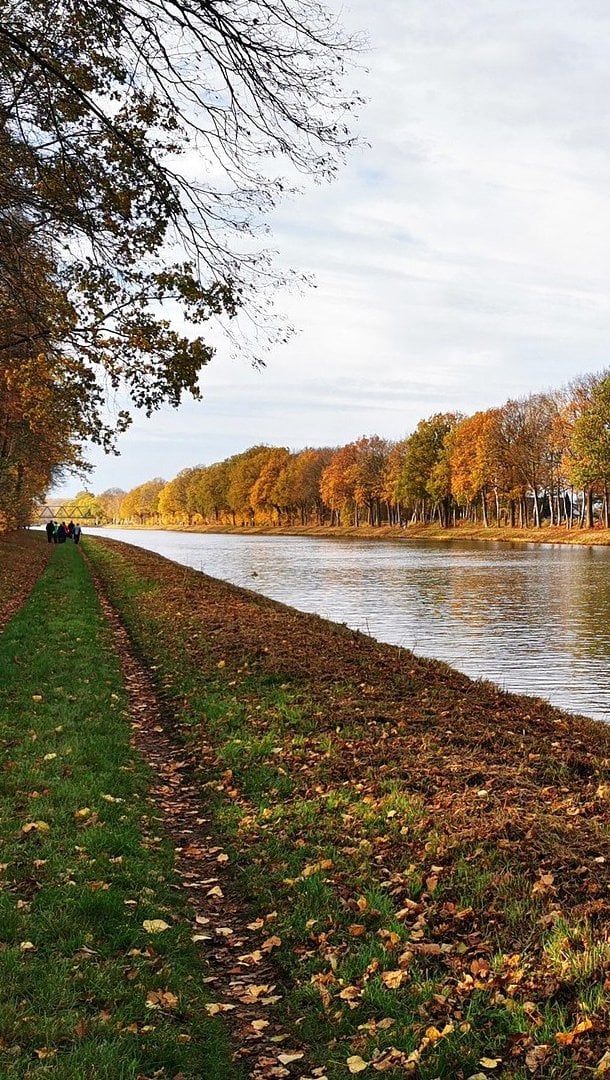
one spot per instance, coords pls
(80, 868)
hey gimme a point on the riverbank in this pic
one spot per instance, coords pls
(426, 858)
(548, 534)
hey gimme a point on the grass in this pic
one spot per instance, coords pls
(86, 991)
(441, 905)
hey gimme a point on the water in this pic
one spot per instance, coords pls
(535, 619)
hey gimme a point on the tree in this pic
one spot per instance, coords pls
(264, 494)
(207, 491)
(372, 457)
(41, 422)
(173, 498)
(245, 470)
(523, 437)
(298, 486)
(110, 501)
(337, 483)
(142, 502)
(591, 443)
(424, 451)
(474, 469)
(136, 140)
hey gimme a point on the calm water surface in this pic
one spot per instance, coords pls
(533, 618)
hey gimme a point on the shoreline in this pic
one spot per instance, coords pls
(550, 534)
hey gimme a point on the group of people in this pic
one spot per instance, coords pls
(58, 532)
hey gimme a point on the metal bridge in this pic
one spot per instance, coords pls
(59, 512)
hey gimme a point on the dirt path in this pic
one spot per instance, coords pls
(235, 948)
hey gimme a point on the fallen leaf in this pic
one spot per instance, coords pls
(155, 926)
(393, 979)
(355, 1064)
(537, 1056)
(603, 1065)
(271, 943)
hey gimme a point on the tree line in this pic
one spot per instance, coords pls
(136, 142)
(544, 457)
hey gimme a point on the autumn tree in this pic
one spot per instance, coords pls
(110, 501)
(266, 495)
(338, 483)
(41, 425)
(298, 486)
(207, 491)
(474, 466)
(371, 460)
(136, 140)
(245, 470)
(523, 437)
(85, 507)
(174, 497)
(424, 482)
(590, 444)
(142, 502)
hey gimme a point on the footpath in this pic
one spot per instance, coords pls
(239, 841)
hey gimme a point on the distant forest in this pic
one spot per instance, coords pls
(541, 458)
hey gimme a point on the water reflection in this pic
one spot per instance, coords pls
(534, 619)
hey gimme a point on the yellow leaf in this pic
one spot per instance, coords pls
(271, 943)
(161, 998)
(27, 946)
(603, 1065)
(155, 926)
(215, 1007)
(355, 1064)
(35, 826)
(393, 979)
(490, 1063)
(36, 697)
(215, 891)
(288, 1057)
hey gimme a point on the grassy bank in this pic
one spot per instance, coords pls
(91, 986)
(433, 854)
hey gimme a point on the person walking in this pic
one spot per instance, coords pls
(76, 533)
(49, 531)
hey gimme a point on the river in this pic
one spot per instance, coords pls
(532, 618)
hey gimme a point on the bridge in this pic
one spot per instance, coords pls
(60, 512)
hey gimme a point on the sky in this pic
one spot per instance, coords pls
(461, 258)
